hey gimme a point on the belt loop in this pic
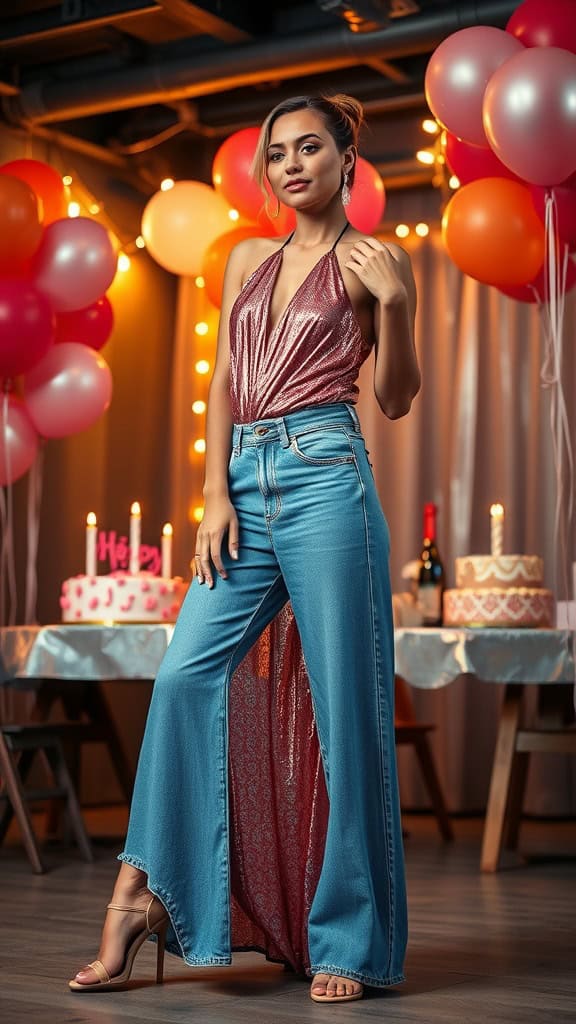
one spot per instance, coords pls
(283, 433)
(354, 416)
(237, 438)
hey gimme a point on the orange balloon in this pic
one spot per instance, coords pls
(493, 233)
(45, 182)
(20, 228)
(216, 258)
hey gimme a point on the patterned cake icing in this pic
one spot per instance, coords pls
(484, 572)
(122, 597)
(514, 607)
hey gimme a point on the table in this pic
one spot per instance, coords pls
(517, 658)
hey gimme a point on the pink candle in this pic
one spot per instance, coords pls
(166, 570)
(135, 536)
(91, 529)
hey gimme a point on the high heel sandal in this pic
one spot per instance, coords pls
(159, 928)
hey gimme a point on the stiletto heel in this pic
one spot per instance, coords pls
(158, 927)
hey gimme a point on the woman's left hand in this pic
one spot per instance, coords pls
(378, 269)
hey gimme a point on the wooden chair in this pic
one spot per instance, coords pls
(409, 730)
(19, 744)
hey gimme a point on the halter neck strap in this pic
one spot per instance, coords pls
(332, 247)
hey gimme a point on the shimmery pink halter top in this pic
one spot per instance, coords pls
(311, 357)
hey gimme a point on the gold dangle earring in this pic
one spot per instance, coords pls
(276, 213)
(346, 194)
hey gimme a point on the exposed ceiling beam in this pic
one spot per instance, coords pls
(46, 26)
(203, 20)
(387, 69)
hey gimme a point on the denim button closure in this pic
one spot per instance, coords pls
(261, 430)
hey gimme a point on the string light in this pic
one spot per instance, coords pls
(199, 406)
(422, 229)
(198, 513)
(123, 262)
(167, 184)
(201, 328)
(454, 181)
(199, 282)
(202, 366)
(67, 180)
(430, 126)
(402, 230)
(233, 214)
(425, 156)
(200, 445)
(73, 209)
(94, 208)
(140, 243)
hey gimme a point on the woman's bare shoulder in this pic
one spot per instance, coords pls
(248, 254)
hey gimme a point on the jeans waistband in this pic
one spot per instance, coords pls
(283, 428)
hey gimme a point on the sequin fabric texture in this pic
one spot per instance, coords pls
(312, 356)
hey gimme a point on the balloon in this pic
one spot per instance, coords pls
(552, 23)
(75, 263)
(231, 173)
(18, 442)
(457, 74)
(530, 114)
(535, 291)
(20, 228)
(283, 224)
(368, 198)
(45, 182)
(179, 225)
(68, 390)
(493, 233)
(26, 326)
(566, 209)
(91, 326)
(216, 256)
(470, 162)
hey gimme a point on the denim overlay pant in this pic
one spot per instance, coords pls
(312, 531)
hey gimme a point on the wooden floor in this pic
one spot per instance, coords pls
(483, 948)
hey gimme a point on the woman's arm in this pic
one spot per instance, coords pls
(219, 514)
(386, 272)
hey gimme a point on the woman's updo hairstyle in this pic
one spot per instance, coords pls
(342, 115)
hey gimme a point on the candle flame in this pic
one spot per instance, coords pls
(91, 519)
(497, 510)
(135, 509)
(167, 530)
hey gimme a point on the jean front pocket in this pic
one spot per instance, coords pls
(323, 446)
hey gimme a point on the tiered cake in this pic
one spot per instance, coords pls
(122, 597)
(499, 590)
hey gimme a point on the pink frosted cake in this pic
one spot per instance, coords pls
(499, 590)
(122, 597)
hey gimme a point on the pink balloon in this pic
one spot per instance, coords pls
(530, 114)
(68, 390)
(91, 326)
(458, 73)
(565, 197)
(470, 162)
(550, 23)
(75, 263)
(536, 290)
(18, 441)
(368, 200)
(26, 326)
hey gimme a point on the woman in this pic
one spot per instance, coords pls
(288, 483)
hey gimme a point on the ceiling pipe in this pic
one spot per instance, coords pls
(283, 57)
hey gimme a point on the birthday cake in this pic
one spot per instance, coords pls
(122, 597)
(499, 590)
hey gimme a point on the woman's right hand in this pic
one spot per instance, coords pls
(219, 517)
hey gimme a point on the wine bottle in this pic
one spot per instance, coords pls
(431, 576)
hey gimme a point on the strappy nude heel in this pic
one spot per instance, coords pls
(159, 928)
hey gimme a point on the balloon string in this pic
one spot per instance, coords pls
(7, 559)
(33, 532)
(551, 375)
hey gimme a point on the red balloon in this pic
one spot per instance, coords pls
(539, 23)
(565, 206)
(535, 291)
(469, 162)
(90, 326)
(20, 228)
(368, 198)
(68, 390)
(216, 257)
(26, 326)
(45, 182)
(283, 224)
(231, 172)
(18, 441)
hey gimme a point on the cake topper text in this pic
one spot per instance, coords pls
(115, 550)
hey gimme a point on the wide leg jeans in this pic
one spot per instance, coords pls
(312, 531)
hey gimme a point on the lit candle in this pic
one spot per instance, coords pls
(135, 533)
(167, 532)
(496, 530)
(91, 529)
